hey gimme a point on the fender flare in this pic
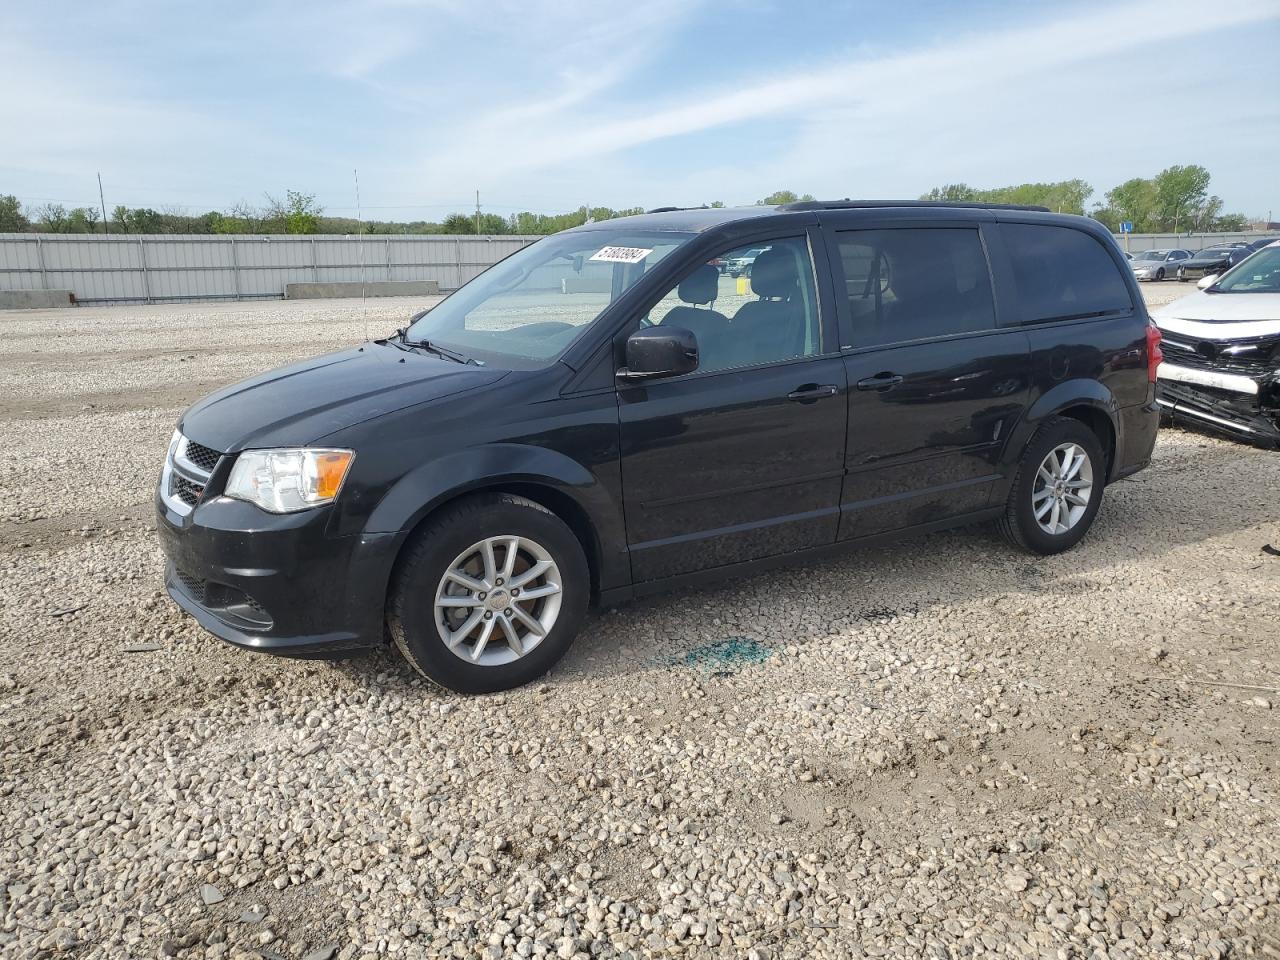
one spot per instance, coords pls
(499, 465)
(1062, 396)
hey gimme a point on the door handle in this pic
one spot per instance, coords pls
(881, 381)
(812, 391)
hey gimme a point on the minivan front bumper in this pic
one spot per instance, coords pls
(276, 583)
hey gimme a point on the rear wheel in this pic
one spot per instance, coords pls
(489, 595)
(1058, 489)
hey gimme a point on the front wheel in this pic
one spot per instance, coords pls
(1160, 274)
(1058, 489)
(489, 595)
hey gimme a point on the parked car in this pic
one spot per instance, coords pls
(740, 266)
(1261, 242)
(1158, 264)
(1222, 352)
(527, 446)
(1211, 261)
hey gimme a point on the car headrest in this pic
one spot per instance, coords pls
(773, 274)
(701, 286)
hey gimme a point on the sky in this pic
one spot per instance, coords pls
(547, 105)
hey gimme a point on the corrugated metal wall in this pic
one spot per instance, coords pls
(202, 267)
(1179, 241)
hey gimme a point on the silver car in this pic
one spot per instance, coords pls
(1158, 264)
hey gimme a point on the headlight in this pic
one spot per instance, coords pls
(284, 481)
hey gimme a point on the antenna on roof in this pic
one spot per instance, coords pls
(364, 305)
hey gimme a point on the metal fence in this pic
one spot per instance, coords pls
(125, 268)
(147, 268)
(1183, 241)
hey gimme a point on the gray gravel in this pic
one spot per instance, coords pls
(941, 748)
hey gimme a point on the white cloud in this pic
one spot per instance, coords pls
(547, 104)
(848, 108)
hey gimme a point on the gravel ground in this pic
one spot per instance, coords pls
(940, 748)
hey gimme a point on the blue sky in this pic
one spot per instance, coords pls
(549, 104)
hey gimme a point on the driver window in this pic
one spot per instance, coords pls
(752, 305)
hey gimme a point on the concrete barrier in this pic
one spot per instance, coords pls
(354, 288)
(35, 299)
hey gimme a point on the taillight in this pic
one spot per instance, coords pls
(1154, 353)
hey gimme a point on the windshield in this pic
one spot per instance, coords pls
(1258, 274)
(1151, 255)
(525, 311)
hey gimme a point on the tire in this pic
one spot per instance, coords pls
(423, 578)
(1019, 523)
(1160, 274)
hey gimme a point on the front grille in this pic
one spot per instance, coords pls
(1249, 355)
(188, 491)
(206, 458)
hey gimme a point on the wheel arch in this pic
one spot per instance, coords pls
(1089, 402)
(1102, 426)
(556, 482)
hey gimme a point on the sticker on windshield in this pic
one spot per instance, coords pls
(621, 254)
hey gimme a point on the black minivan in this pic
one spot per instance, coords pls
(604, 414)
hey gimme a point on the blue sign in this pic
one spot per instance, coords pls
(1126, 227)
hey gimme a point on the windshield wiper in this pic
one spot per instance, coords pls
(397, 339)
(445, 352)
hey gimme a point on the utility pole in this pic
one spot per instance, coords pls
(477, 213)
(106, 227)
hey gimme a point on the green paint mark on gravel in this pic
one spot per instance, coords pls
(725, 656)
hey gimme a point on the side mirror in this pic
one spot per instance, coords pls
(660, 352)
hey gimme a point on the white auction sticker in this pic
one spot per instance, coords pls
(622, 254)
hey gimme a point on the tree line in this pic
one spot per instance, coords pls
(296, 213)
(1176, 199)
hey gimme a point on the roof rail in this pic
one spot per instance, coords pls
(674, 209)
(847, 204)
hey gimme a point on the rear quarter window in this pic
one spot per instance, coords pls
(1061, 273)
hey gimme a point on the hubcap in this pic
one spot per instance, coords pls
(1063, 487)
(498, 600)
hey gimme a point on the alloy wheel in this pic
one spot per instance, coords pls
(498, 600)
(1062, 489)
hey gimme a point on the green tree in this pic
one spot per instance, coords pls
(952, 193)
(716, 204)
(145, 220)
(82, 220)
(1179, 192)
(458, 223)
(492, 224)
(120, 217)
(52, 217)
(301, 214)
(1135, 201)
(1064, 196)
(779, 197)
(12, 219)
